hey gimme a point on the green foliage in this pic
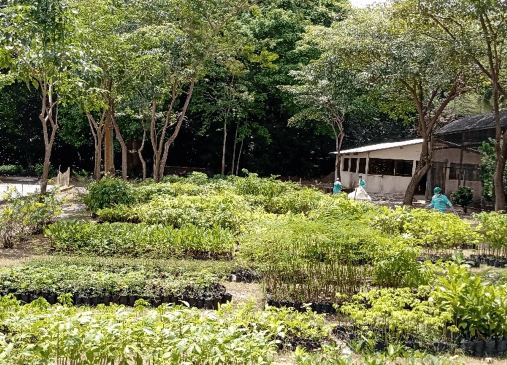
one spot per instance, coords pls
(141, 240)
(87, 281)
(107, 193)
(38, 168)
(25, 215)
(10, 169)
(477, 308)
(397, 315)
(493, 229)
(423, 227)
(168, 335)
(488, 167)
(176, 267)
(463, 196)
(284, 324)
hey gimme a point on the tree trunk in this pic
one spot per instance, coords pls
(171, 139)
(421, 170)
(239, 156)
(139, 151)
(98, 132)
(222, 172)
(124, 150)
(234, 150)
(500, 149)
(46, 117)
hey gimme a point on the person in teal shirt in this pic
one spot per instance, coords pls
(439, 201)
(337, 187)
(361, 182)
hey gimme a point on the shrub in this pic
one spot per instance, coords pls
(224, 210)
(25, 215)
(107, 193)
(477, 308)
(425, 227)
(463, 196)
(10, 169)
(112, 239)
(398, 315)
(493, 229)
(39, 168)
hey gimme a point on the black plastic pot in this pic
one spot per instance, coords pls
(132, 300)
(25, 298)
(380, 346)
(34, 297)
(467, 347)
(124, 300)
(115, 299)
(208, 303)
(18, 296)
(440, 346)
(478, 348)
(106, 300)
(79, 300)
(157, 302)
(501, 347)
(94, 300)
(412, 345)
(490, 347)
(276, 304)
(216, 301)
(297, 306)
(199, 303)
(318, 308)
(227, 297)
(167, 299)
(85, 301)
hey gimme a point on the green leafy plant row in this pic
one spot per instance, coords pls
(40, 333)
(87, 282)
(110, 239)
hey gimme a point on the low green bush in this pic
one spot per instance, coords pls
(224, 210)
(25, 215)
(87, 282)
(478, 308)
(399, 315)
(39, 333)
(493, 230)
(425, 227)
(109, 192)
(140, 240)
(10, 169)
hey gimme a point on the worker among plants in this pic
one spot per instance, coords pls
(439, 201)
(337, 187)
(361, 182)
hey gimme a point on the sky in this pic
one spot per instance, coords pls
(363, 3)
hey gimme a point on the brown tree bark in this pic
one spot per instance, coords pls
(222, 172)
(123, 145)
(49, 122)
(161, 145)
(426, 121)
(339, 136)
(239, 156)
(234, 150)
(98, 131)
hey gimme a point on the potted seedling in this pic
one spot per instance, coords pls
(463, 196)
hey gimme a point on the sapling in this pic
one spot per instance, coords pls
(463, 196)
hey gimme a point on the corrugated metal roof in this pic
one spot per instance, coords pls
(475, 122)
(382, 146)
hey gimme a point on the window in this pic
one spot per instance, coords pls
(345, 166)
(362, 166)
(378, 166)
(403, 168)
(353, 164)
(469, 172)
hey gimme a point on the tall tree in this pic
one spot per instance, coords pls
(477, 31)
(413, 74)
(38, 46)
(327, 93)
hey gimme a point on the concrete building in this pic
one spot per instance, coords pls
(387, 168)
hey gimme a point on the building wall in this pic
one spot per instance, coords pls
(381, 184)
(388, 184)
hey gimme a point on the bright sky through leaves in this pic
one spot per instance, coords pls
(364, 3)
